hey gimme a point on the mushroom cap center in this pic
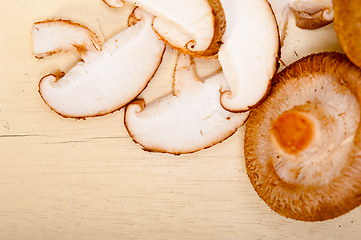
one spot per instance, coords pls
(293, 131)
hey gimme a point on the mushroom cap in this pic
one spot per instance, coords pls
(317, 177)
(188, 119)
(108, 79)
(249, 53)
(194, 27)
(347, 27)
(309, 14)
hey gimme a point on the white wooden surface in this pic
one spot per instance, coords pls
(85, 179)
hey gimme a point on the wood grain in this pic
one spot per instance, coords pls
(85, 179)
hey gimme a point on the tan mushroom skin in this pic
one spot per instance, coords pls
(347, 27)
(302, 145)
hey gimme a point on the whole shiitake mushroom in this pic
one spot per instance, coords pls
(303, 143)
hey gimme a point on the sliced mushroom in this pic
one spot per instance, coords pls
(54, 36)
(191, 26)
(114, 3)
(302, 144)
(187, 120)
(249, 53)
(347, 27)
(105, 80)
(309, 14)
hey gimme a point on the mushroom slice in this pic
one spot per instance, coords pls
(187, 120)
(249, 53)
(191, 26)
(54, 36)
(114, 3)
(347, 27)
(309, 14)
(302, 144)
(106, 80)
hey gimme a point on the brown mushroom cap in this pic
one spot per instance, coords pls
(347, 20)
(302, 144)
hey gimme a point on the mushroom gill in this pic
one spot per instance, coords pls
(106, 79)
(187, 120)
(302, 144)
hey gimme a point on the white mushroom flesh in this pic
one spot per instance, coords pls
(249, 52)
(183, 24)
(50, 37)
(188, 120)
(111, 79)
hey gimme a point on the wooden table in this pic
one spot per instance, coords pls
(86, 179)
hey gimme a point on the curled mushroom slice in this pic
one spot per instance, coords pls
(105, 80)
(114, 3)
(302, 144)
(347, 27)
(187, 120)
(309, 14)
(191, 26)
(249, 53)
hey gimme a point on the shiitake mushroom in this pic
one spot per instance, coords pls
(303, 143)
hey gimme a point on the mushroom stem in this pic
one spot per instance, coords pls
(300, 131)
(302, 137)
